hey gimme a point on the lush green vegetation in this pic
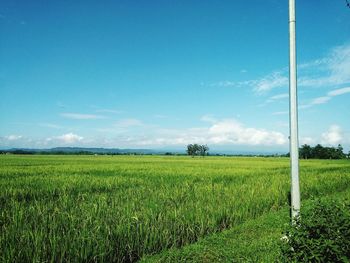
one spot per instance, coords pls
(321, 152)
(256, 240)
(120, 208)
(197, 149)
(322, 233)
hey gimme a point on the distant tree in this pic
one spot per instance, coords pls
(191, 150)
(340, 152)
(203, 150)
(196, 149)
(318, 152)
(305, 151)
(321, 152)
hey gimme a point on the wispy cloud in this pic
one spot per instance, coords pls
(338, 92)
(330, 71)
(226, 83)
(275, 98)
(327, 98)
(320, 100)
(79, 116)
(125, 123)
(271, 81)
(50, 125)
(280, 112)
(279, 96)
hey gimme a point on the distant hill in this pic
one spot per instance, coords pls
(100, 150)
(81, 150)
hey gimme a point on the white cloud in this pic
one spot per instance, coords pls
(338, 92)
(233, 132)
(320, 100)
(333, 136)
(79, 116)
(13, 137)
(64, 139)
(69, 138)
(13, 141)
(222, 132)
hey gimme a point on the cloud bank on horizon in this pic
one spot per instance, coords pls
(228, 132)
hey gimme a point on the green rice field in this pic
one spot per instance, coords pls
(124, 208)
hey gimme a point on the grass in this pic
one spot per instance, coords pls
(256, 240)
(122, 208)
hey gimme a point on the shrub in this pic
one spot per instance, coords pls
(321, 234)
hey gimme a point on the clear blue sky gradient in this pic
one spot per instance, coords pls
(161, 74)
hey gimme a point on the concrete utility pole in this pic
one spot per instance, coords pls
(293, 116)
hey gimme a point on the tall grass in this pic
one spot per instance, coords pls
(117, 209)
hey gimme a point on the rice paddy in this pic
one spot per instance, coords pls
(121, 208)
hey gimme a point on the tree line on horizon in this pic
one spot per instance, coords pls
(305, 152)
(321, 152)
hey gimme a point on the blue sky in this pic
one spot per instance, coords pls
(162, 74)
